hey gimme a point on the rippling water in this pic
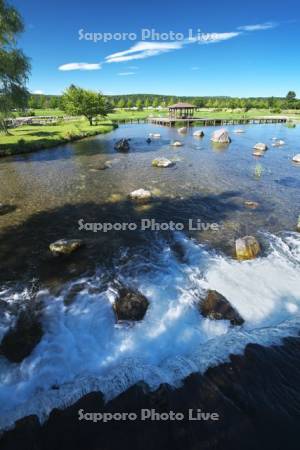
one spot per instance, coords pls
(82, 348)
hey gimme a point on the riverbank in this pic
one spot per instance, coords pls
(30, 138)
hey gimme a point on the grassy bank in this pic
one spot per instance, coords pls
(32, 137)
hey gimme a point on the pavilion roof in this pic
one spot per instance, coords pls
(182, 106)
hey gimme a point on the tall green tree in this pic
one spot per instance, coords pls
(81, 102)
(291, 95)
(14, 65)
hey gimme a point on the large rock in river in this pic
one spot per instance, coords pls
(130, 305)
(247, 247)
(162, 162)
(296, 158)
(19, 341)
(260, 147)
(215, 306)
(221, 137)
(141, 196)
(65, 246)
(122, 145)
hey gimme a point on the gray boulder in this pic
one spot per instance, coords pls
(122, 145)
(130, 305)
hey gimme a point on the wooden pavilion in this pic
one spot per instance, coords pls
(182, 111)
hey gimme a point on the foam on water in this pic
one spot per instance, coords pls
(83, 349)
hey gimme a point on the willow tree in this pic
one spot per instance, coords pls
(14, 65)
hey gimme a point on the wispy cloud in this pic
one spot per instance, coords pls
(38, 92)
(258, 26)
(214, 38)
(195, 68)
(126, 73)
(79, 66)
(143, 50)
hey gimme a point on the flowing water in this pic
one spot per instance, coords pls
(83, 348)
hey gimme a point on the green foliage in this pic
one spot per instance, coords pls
(14, 66)
(81, 102)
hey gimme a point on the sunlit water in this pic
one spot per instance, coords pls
(83, 349)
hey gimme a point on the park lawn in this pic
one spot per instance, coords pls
(49, 112)
(35, 137)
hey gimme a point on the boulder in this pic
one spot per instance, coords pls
(141, 195)
(19, 341)
(261, 147)
(198, 133)
(217, 307)
(65, 246)
(278, 143)
(148, 141)
(247, 248)
(251, 205)
(130, 305)
(162, 162)
(296, 158)
(221, 137)
(122, 145)
(182, 130)
(298, 224)
(176, 144)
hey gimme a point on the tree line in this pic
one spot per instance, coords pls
(140, 101)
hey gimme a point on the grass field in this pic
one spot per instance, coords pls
(34, 137)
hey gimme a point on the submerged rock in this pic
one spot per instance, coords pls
(154, 135)
(198, 133)
(239, 130)
(258, 152)
(221, 137)
(130, 305)
(176, 144)
(247, 247)
(278, 143)
(298, 224)
(296, 158)
(215, 306)
(65, 246)
(148, 141)
(162, 162)
(19, 341)
(251, 205)
(141, 195)
(182, 130)
(260, 147)
(122, 145)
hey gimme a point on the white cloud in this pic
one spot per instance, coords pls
(143, 50)
(213, 38)
(258, 26)
(38, 92)
(126, 73)
(79, 66)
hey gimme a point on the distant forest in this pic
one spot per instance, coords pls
(140, 101)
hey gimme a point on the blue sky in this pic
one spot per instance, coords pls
(253, 47)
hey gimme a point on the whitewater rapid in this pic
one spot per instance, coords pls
(83, 349)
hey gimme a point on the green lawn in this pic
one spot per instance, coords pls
(34, 137)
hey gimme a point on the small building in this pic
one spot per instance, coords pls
(182, 111)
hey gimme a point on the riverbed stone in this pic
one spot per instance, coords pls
(65, 246)
(130, 305)
(296, 158)
(257, 152)
(141, 195)
(182, 130)
(247, 247)
(19, 342)
(251, 204)
(278, 143)
(176, 144)
(216, 307)
(162, 162)
(260, 147)
(198, 133)
(122, 145)
(221, 137)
